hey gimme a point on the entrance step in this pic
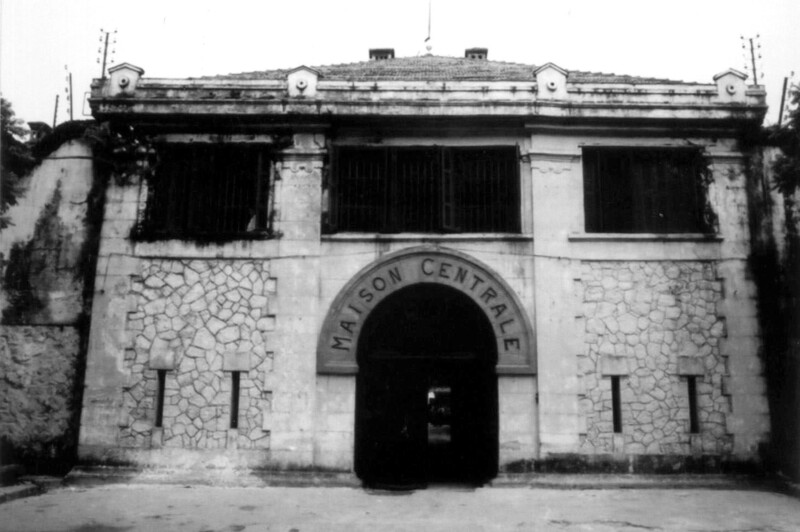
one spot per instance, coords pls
(633, 481)
(94, 475)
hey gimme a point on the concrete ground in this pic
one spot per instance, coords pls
(198, 508)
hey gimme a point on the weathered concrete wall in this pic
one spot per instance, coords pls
(43, 256)
(38, 371)
(775, 260)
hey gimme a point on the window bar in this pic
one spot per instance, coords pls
(273, 170)
(241, 215)
(162, 378)
(346, 175)
(427, 167)
(259, 214)
(224, 204)
(198, 205)
(377, 195)
(235, 399)
(174, 206)
(495, 207)
(391, 188)
(480, 212)
(367, 187)
(498, 206)
(509, 208)
(360, 176)
(226, 199)
(363, 213)
(615, 403)
(694, 423)
(505, 184)
(486, 184)
(232, 174)
(188, 194)
(492, 206)
(385, 186)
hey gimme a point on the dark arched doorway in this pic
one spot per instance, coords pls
(426, 391)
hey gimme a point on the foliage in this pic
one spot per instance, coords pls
(16, 159)
(787, 138)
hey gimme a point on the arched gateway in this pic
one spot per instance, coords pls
(338, 341)
(426, 331)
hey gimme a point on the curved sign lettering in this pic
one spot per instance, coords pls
(336, 349)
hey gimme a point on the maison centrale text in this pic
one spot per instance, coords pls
(500, 307)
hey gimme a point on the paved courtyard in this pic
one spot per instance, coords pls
(118, 508)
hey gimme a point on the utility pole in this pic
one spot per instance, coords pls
(783, 101)
(68, 91)
(789, 85)
(70, 97)
(428, 45)
(55, 112)
(104, 36)
(754, 46)
(753, 62)
(105, 55)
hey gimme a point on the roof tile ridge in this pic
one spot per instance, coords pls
(631, 76)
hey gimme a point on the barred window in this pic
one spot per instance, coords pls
(208, 191)
(645, 190)
(425, 189)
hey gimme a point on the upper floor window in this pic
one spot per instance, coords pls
(205, 190)
(425, 189)
(645, 190)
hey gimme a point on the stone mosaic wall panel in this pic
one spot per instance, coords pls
(199, 319)
(651, 314)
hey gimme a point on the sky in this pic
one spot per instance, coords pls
(42, 41)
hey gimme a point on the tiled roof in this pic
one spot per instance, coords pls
(441, 68)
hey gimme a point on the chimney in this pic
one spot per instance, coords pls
(379, 54)
(477, 53)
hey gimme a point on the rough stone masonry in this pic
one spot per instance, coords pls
(655, 320)
(199, 321)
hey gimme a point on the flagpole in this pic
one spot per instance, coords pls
(428, 39)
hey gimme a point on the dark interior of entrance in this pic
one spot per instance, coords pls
(426, 406)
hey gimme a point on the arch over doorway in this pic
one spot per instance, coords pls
(426, 391)
(339, 339)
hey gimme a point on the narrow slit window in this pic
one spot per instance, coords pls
(694, 422)
(162, 378)
(235, 399)
(615, 404)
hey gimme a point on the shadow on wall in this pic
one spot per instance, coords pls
(775, 263)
